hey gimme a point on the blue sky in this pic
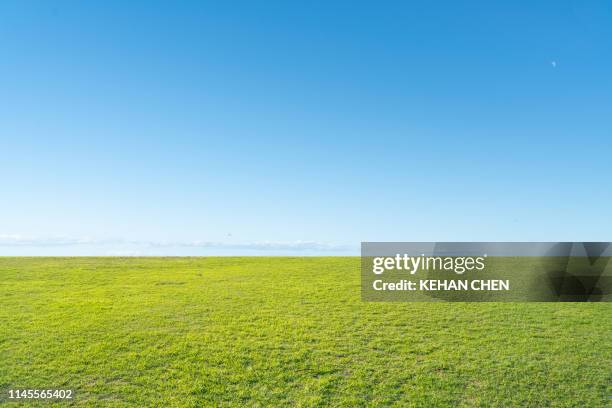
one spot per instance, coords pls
(301, 127)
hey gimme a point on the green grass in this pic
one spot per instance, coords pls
(284, 332)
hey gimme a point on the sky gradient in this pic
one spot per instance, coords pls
(196, 128)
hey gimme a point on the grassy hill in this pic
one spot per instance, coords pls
(263, 331)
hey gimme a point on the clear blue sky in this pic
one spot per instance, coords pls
(301, 127)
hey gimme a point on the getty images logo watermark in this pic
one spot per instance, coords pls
(486, 271)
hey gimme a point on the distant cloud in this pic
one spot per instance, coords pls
(261, 246)
(18, 240)
(61, 241)
(123, 253)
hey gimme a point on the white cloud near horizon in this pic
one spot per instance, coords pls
(19, 240)
(7, 240)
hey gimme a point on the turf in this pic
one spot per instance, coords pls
(284, 332)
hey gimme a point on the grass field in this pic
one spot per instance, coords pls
(284, 332)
